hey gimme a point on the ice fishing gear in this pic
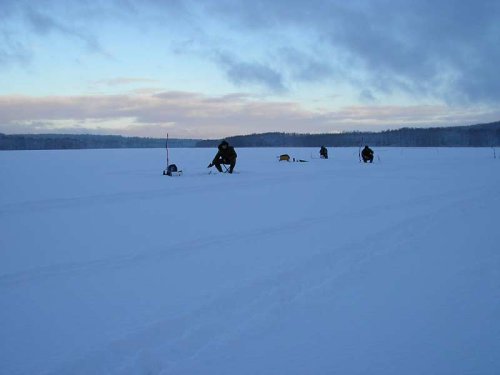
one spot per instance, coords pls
(226, 169)
(359, 150)
(286, 157)
(171, 169)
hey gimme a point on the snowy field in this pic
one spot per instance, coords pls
(326, 267)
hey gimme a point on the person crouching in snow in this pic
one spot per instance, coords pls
(367, 154)
(226, 155)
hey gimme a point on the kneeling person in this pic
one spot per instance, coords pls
(367, 154)
(226, 155)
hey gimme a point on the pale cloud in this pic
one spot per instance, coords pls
(442, 50)
(119, 81)
(43, 23)
(445, 49)
(250, 73)
(193, 115)
(12, 52)
(366, 96)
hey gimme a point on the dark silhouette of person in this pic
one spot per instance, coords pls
(323, 152)
(226, 155)
(367, 154)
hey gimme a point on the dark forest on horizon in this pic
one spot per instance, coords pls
(483, 135)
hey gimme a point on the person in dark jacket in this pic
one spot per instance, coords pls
(323, 152)
(367, 154)
(225, 155)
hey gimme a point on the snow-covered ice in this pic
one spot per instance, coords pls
(326, 267)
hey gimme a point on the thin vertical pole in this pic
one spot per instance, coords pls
(167, 151)
(359, 149)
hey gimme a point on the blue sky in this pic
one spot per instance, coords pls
(216, 68)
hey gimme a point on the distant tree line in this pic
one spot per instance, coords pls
(484, 135)
(83, 141)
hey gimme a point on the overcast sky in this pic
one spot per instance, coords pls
(214, 68)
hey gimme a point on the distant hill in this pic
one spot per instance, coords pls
(84, 141)
(482, 135)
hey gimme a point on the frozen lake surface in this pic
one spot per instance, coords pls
(325, 267)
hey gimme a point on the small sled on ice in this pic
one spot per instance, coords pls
(171, 169)
(286, 157)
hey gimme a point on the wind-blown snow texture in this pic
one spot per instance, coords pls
(326, 267)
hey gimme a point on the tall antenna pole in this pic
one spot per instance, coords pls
(167, 151)
(359, 149)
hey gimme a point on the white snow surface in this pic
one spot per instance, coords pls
(325, 267)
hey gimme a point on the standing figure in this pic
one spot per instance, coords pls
(367, 154)
(226, 155)
(323, 152)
